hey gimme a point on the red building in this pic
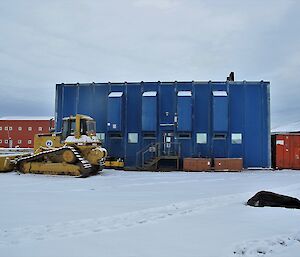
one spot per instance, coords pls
(20, 131)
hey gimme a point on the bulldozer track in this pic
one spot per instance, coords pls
(86, 168)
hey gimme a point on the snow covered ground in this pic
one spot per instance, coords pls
(143, 214)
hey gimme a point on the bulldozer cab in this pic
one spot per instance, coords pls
(77, 126)
(76, 130)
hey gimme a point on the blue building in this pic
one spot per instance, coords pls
(155, 123)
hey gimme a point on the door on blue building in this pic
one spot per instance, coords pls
(167, 145)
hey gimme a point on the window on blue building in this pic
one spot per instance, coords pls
(101, 136)
(133, 138)
(201, 138)
(236, 138)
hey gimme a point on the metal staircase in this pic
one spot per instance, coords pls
(152, 156)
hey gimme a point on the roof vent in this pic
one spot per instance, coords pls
(231, 76)
(115, 94)
(150, 93)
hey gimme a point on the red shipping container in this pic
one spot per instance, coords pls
(287, 151)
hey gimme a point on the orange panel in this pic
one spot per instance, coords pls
(196, 164)
(228, 164)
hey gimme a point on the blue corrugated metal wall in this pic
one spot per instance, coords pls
(184, 112)
(149, 111)
(208, 119)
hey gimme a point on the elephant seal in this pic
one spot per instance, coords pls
(266, 198)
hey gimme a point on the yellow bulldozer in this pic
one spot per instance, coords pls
(75, 151)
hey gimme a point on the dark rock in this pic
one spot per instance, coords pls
(265, 198)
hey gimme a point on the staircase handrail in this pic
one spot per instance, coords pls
(140, 151)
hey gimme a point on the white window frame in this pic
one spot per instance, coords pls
(10, 128)
(40, 128)
(6, 141)
(6, 128)
(29, 141)
(0, 128)
(19, 141)
(20, 128)
(0, 141)
(29, 128)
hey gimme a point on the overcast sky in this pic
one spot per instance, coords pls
(48, 42)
